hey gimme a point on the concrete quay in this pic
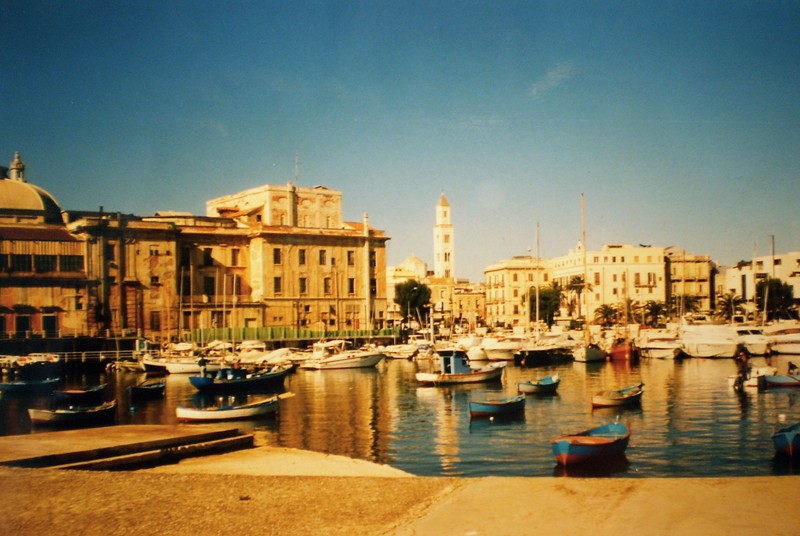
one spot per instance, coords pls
(270, 490)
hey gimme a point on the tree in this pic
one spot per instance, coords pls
(549, 302)
(412, 297)
(576, 286)
(654, 311)
(728, 305)
(780, 297)
(606, 315)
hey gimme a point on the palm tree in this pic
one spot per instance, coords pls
(779, 297)
(576, 286)
(653, 311)
(728, 305)
(412, 296)
(549, 302)
(606, 315)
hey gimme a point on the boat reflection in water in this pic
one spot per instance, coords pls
(689, 423)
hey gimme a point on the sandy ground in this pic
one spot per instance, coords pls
(269, 490)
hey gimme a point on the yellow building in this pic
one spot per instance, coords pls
(507, 284)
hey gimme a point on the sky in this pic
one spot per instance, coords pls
(678, 121)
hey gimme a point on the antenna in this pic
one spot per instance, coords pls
(297, 167)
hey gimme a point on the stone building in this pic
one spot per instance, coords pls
(274, 256)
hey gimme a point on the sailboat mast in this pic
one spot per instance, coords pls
(585, 270)
(537, 278)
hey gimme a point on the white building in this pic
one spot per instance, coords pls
(743, 278)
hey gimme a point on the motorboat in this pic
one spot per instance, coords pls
(659, 344)
(784, 337)
(710, 341)
(336, 355)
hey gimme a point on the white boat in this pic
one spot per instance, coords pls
(753, 339)
(756, 379)
(454, 368)
(335, 355)
(586, 353)
(710, 341)
(400, 351)
(250, 410)
(504, 348)
(547, 345)
(178, 365)
(784, 337)
(659, 344)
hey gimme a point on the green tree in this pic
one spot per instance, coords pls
(728, 305)
(780, 297)
(654, 311)
(412, 297)
(606, 315)
(549, 302)
(576, 288)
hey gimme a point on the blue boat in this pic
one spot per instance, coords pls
(603, 441)
(787, 440)
(90, 396)
(30, 386)
(148, 390)
(496, 407)
(233, 380)
(543, 386)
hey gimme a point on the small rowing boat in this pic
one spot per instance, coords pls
(627, 396)
(251, 410)
(542, 386)
(496, 407)
(596, 443)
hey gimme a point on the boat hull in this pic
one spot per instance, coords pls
(782, 381)
(542, 386)
(81, 397)
(252, 410)
(33, 386)
(484, 374)
(628, 396)
(74, 416)
(350, 362)
(787, 441)
(148, 390)
(602, 442)
(496, 408)
(586, 354)
(270, 380)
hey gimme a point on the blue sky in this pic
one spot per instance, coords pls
(680, 121)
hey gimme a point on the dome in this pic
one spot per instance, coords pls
(23, 198)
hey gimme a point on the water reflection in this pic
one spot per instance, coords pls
(689, 422)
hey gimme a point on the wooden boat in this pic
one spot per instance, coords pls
(542, 386)
(250, 410)
(626, 396)
(30, 386)
(454, 369)
(787, 440)
(601, 442)
(496, 407)
(74, 415)
(148, 390)
(232, 380)
(779, 380)
(91, 396)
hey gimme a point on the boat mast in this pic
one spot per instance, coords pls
(585, 273)
(536, 280)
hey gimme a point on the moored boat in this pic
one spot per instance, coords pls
(80, 397)
(231, 380)
(787, 440)
(257, 408)
(586, 353)
(454, 368)
(30, 386)
(335, 355)
(627, 396)
(496, 407)
(541, 386)
(782, 380)
(148, 390)
(74, 415)
(596, 443)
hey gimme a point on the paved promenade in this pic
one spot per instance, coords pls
(267, 490)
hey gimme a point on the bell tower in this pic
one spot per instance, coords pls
(443, 241)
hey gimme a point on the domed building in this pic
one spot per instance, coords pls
(22, 202)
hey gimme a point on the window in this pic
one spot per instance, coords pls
(372, 259)
(21, 263)
(323, 256)
(276, 285)
(110, 252)
(276, 255)
(514, 278)
(207, 259)
(373, 287)
(45, 263)
(326, 286)
(351, 258)
(209, 286)
(597, 278)
(155, 320)
(153, 250)
(303, 285)
(351, 286)
(154, 281)
(447, 239)
(235, 257)
(301, 257)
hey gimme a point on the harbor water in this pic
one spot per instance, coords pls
(690, 421)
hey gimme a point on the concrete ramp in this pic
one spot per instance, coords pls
(119, 447)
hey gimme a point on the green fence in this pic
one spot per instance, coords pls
(283, 333)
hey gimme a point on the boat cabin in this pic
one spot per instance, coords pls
(454, 362)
